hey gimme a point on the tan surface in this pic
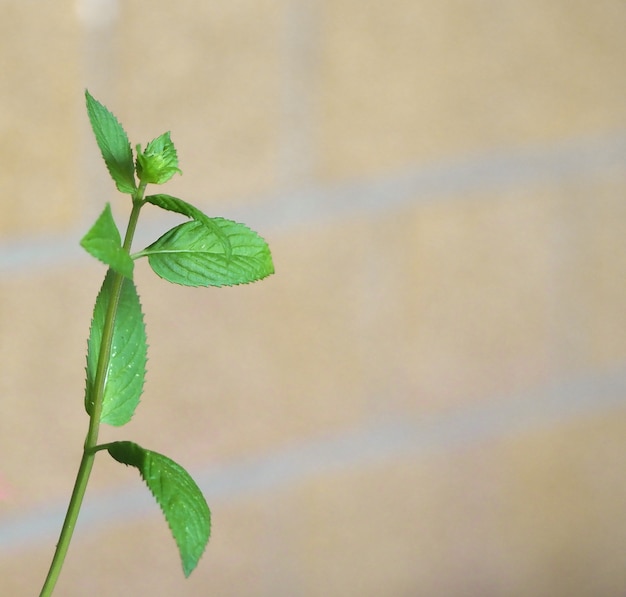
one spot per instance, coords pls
(429, 397)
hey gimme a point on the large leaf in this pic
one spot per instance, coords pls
(193, 255)
(113, 143)
(180, 499)
(126, 369)
(104, 242)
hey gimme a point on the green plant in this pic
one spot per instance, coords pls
(201, 252)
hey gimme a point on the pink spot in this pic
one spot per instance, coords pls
(4, 490)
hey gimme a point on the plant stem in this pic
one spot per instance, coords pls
(91, 441)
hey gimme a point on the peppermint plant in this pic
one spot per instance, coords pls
(203, 251)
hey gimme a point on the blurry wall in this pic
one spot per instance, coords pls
(429, 397)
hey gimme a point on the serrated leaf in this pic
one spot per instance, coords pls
(113, 143)
(159, 162)
(127, 364)
(186, 209)
(192, 255)
(104, 242)
(180, 499)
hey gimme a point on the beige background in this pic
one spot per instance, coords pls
(429, 397)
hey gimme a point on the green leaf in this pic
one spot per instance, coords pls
(159, 162)
(180, 499)
(104, 242)
(191, 254)
(127, 364)
(186, 209)
(113, 143)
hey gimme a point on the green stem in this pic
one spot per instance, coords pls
(91, 441)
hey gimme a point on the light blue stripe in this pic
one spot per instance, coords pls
(446, 180)
(375, 443)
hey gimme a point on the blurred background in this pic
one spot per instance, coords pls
(429, 396)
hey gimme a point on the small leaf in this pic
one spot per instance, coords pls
(180, 499)
(113, 143)
(104, 242)
(127, 364)
(182, 207)
(159, 162)
(192, 255)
